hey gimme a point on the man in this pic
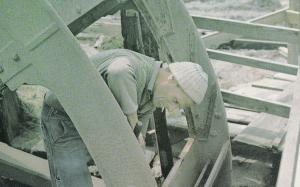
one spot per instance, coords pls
(139, 84)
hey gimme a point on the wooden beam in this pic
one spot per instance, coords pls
(257, 104)
(253, 62)
(213, 40)
(186, 153)
(28, 169)
(218, 164)
(204, 170)
(78, 14)
(248, 30)
(289, 171)
(293, 17)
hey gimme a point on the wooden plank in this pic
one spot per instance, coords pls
(289, 173)
(263, 131)
(248, 90)
(28, 169)
(199, 180)
(253, 62)
(257, 104)
(240, 116)
(271, 84)
(283, 51)
(176, 168)
(213, 40)
(235, 129)
(285, 77)
(218, 164)
(105, 141)
(248, 30)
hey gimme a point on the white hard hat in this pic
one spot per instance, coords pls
(191, 78)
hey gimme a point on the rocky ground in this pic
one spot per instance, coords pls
(229, 75)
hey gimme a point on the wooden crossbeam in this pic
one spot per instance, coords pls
(253, 62)
(249, 30)
(78, 14)
(256, 104)
(213, 40)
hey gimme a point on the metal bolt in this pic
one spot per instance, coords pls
(16, 58)
(1, 69)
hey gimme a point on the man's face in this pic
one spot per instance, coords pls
(173, 97)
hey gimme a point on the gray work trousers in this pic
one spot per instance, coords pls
(66, 152)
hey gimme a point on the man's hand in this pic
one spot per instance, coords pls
(132, 119)
(136, 126)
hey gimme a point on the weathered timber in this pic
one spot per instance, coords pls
(78, 15)
(28, 169)
(248, 30)
(215, 39)
(271, 84)
(46, 47)
(182, 165)
(253, 62)
(202, 174)
(235, 129)
(257, 104)
(263, 138)
(218, 165)
(249, 90)
(262, 133)
(285, 77)
(240, 116)
(289, 171)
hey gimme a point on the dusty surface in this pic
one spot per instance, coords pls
(232, 9)
(245, 172)
(230, 75)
